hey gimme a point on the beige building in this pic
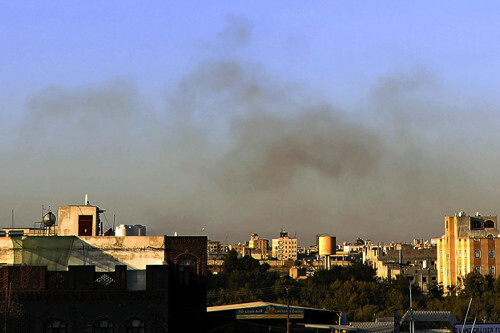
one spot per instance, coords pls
(76, 238)
(259, 246)
(469, 244)
(284, 247)
(79, 221)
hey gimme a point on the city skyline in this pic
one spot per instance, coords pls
(371, 120)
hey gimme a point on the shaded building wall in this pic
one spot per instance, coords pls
(187, 257)
(81, 297)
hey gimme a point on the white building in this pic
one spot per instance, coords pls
(284, 247)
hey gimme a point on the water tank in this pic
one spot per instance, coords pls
(49, 219)
(121, 231)
(327, 245)
(140, 230)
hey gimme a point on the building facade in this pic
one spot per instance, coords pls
(284, 247)
(468, 245)
(83, 300)
(259, 247)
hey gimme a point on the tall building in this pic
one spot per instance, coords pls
(284, 247)
(469, 244)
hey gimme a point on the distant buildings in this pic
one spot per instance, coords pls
(469, 244)
(415, 261)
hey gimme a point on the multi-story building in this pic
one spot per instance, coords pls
(469, 244)
(259, 246)
(241, 249)
(284, 247)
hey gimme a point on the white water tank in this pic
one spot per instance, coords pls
(121, 230)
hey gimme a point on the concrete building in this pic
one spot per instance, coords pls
(79, 220)
(242, 249)
(72, 262)
(469, 244)
(259, 247)
(284, 247)
(415, 261)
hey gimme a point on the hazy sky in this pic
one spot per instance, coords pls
(354, 118)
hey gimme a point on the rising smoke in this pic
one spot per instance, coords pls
(236, 151)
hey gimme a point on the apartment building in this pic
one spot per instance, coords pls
(469, 244)
(284, 247)
(259, 246)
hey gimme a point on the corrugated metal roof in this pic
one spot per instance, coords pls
(431, 316)
(257, 304)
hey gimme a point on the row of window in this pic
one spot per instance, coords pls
(101, 326)
(491, 270)
(477, 254)
(491, 253)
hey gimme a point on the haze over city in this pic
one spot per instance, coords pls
(357, 119)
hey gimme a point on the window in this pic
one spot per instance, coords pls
(490, 237)
(136, 326)
(186, 269)
(476, 224)
(55, 326)
(492, 270)
(478, 269)
(477, 253)
(103, 326)
(491, 253)
(489, 224)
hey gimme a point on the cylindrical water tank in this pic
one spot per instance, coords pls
(326, 245)
(121, 231)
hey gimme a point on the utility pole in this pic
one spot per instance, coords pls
(287, 310)
(412, 325)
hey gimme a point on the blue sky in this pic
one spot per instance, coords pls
(406, 75)
(331, 45)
